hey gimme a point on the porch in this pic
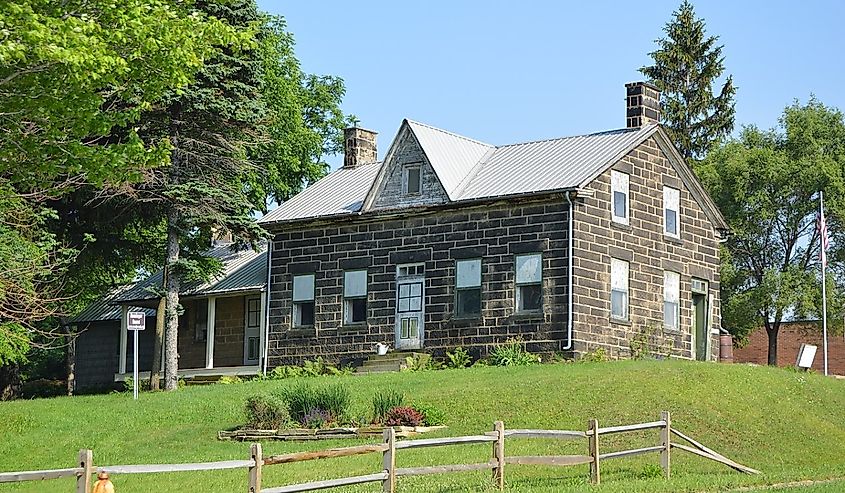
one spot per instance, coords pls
(218, 336)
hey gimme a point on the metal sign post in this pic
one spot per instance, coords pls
(136, 322)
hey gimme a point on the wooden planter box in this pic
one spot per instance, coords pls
(303, 434)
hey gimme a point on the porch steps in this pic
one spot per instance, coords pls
(393, 361)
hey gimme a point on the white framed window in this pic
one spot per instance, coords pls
(619, 196)
(529, 282)
(303, 300)
(671, 212)
(412, 179)
(410, 270)
(355, 296)
(468, 287)
(253, 312)
(619, 289)
(671, 300)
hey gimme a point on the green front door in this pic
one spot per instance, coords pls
(699, 325)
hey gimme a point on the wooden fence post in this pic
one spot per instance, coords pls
(388, 484)
(86, 462)
(593, 439)
(499, 455)
(665, 441)
(255, 471)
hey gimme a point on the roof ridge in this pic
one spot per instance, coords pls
(453, 134)
(567, 137)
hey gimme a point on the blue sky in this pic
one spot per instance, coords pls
(504, 72)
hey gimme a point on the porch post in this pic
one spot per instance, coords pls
(209, 334)
(262, 337)
(124, 335)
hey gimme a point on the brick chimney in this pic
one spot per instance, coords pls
(643, 101)
(359, 147)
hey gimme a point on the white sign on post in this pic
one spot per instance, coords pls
(135, 321)
(806, 355)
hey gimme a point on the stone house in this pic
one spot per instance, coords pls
(221, 331)
(573, 244)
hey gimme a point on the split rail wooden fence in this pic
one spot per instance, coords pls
(389, 448)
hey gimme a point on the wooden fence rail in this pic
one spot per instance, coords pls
(389, 447)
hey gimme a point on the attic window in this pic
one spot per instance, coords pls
(412, 180)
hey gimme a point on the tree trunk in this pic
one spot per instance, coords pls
(171, 354)
(70, 360)
(772, 331)
(10, 382)
(158, 341)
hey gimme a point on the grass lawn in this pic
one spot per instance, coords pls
(788, 425)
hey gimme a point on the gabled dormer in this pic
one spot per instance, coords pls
(424, 166)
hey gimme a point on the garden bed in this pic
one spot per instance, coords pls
(304, 434)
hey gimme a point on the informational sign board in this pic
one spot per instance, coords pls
(136, 321)
(806, 355)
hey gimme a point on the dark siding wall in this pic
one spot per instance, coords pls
(98, 349)
(494, 233)
(597, 240)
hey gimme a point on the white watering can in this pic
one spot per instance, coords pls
(381, 349)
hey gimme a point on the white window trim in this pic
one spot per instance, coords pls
(519, 284)
(475, 285)
(672, 296)
(627, 290)
(667, 191)
(405, 174)
(620, 182)
(349, 299)
(296, 303)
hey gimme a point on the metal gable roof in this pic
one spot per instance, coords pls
(547, 165)
(452, 156)
(338, 193)
(471, 170)
(104, 309)
(243, 270)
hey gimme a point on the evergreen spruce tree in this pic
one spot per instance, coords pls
(687, 63)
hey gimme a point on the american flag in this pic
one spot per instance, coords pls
(825, 241)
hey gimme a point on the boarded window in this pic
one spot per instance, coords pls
(671, 211)
(529, 282)
(468, 287)
(619, 189)
(303, 300)
(618, 289)
(355, 296)
(671, 299)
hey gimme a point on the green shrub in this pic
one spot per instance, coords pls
(651, 471)
(302, 399)
(432, 416)
(384, 401)
(459, 358)
(421, 362)
(315, 368)
(229, 380)
(512, 353)
(598, 355)
(266, 412)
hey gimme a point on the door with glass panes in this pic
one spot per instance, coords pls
(252, 331)
(410, 309)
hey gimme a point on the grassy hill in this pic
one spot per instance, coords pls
(789, 425)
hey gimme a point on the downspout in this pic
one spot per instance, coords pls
(267, 309)
(569, 315)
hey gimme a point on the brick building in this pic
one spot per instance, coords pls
(790, 337)
(573, 244)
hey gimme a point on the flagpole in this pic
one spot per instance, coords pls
(824, 284)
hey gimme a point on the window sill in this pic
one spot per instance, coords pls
(353, 327)
(671, 330)
(526, 316)
(620, 321)
(621, 226)
(673, 239)
(302, 331)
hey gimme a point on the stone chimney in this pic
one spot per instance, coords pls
(643, 101)
(359, 147)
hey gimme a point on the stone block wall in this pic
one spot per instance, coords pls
(649, 252)
(494, 232)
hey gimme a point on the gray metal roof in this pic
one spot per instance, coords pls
(340, 192)
(243, 270)
(555, 164)
(104, 309)
(452, 156)
(473, 170)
